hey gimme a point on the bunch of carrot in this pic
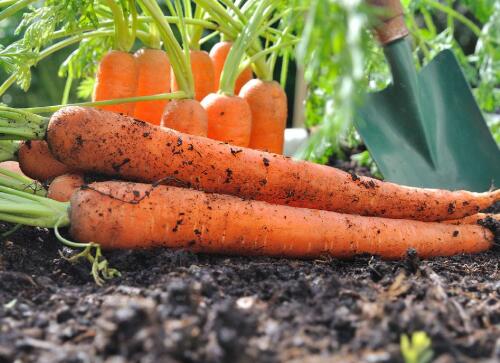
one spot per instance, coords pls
(191, 191)
(215, 93)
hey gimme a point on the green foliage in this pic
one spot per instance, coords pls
(332, 54)
(418, 349)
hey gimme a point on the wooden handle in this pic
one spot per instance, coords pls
(392, 24)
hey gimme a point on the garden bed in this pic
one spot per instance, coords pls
(175, 306)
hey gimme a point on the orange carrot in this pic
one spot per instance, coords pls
(36, 161)
(117, 78)
(219, 53)
(229, 118)
(203, 74)
(187, 116)
(63, 186)
(268, 103)
(154, 78)
(99, 141)
(109, 213)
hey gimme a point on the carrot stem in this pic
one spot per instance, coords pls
(8, 150)
(249, 33)
(21, 182)
(157, 97)
(14, 8)
(178, 61)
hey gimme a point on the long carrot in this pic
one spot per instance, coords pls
(109, 143)
(219, 53)
(153, 78)
(268, 104)
(36, 161)
(131, 215)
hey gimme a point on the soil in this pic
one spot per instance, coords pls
(175, 306)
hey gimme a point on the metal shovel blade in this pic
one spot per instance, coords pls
(426, 129)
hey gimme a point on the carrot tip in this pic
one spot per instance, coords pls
(494, 226)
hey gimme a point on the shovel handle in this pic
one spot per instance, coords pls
(392, 24)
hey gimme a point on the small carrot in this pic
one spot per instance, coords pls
(202, 69)
(229, 118)
(118, 70)
(153, 78)
(268, 104)
(63, 186)
(37, 162)
(117, 78)
(98, 141)
(187, 116)
(219, 53)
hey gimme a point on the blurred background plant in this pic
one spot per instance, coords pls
(337, 55)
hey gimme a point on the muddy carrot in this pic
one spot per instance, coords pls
(108, 213)
(113, 144)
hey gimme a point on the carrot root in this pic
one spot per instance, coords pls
(108, 212)
(112, 144)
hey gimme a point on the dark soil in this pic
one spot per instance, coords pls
(174, 306)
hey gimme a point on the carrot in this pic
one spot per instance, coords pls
(202, 69)
(186, 116)
(219, 53)
(105, 142)
(229, 118)
(36, 161)
(268, 103)
(473, 219)
(63, 186)
(108, 213)
(153, 78)
(117, 78)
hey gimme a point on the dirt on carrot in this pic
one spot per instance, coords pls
(102, 142)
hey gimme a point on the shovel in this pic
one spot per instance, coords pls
(426, 129)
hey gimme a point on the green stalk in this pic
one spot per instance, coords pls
(32, 210)
(21, 182)
(4, 3)
(455, 14)
(157, 97)
(178, 61)
(67, 86)
(123, 38)
(249, 33)
(54, 48)
(8, 150)
(14, 8)
(267, 51)
(21, 125)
